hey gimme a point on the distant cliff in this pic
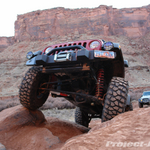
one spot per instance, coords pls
(56, 23)
(103, 20)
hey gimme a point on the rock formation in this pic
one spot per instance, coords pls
(103, 20)
(52, 24)
(126, 131)
(22, 129)
(5, 42)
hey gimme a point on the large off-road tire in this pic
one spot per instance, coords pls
(81, 117)
(30, 95)
(116, 97)
(140, 105)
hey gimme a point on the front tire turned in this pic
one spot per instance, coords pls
(116, 97)
(30, 95)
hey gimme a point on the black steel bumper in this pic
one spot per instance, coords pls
(72, 55)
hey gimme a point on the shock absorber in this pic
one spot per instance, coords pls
(100, 83)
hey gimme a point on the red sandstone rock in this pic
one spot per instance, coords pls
(71, 24)
(21, 129)
(103, 20)
(128, 131)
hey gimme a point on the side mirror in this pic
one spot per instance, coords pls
(126, 63)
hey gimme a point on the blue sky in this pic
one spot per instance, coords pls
(9, 9)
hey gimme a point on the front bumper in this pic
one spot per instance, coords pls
(71, 57)
(145, 101)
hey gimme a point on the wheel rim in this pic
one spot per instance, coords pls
(42, 89)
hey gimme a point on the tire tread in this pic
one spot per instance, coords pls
(115, 99)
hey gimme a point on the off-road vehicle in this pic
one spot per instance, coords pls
(145, 99)
(90, 74)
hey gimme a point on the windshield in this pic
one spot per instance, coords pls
(146, 93)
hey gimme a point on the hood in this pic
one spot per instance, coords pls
(147, 96)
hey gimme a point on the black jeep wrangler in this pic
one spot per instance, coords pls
(90, 74)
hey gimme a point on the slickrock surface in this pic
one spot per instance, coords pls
(128, 131)
(22, 129)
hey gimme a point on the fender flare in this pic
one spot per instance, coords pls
(128, 100)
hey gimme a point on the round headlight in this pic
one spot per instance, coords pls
(29, 55)
(48, 50)
(108, 46)
(94, 44)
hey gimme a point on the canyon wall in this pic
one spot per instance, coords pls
(57, 23)
(103, 20)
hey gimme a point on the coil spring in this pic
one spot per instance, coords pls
(100, 83)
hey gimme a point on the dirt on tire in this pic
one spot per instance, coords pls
(115, 99)
(28, 94)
